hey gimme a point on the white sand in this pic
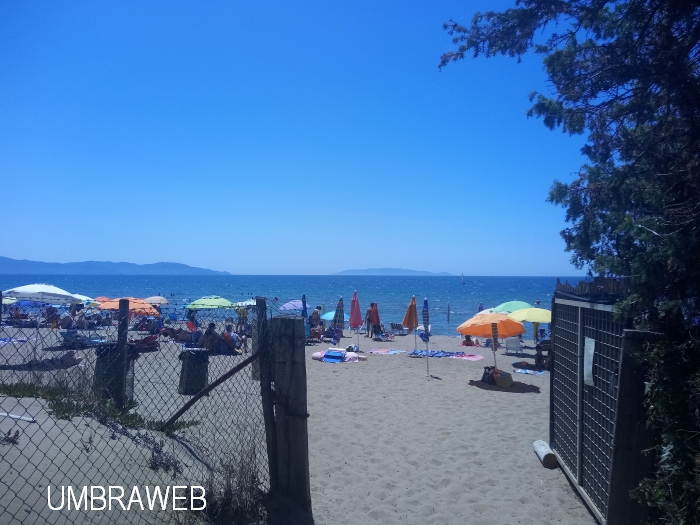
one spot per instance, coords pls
(390, 445)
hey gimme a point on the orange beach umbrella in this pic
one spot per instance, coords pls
(102, 299)
(410, 320)
(136, 307)
(494, 325)
(480, 326)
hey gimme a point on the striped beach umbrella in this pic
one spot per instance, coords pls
(426, 328)
(339, 317)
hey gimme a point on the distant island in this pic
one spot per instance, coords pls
(23, 267)
(399, 272)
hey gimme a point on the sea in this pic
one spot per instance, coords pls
(392, 293)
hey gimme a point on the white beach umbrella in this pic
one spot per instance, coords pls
(156, 300)
(44, 293)
(83, 298)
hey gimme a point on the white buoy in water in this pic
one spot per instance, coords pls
(547, 457)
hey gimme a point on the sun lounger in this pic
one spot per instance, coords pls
(513, 345)
(398, 328)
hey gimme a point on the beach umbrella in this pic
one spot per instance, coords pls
(487, 311)
(156, 300)
(329, 316)
(410, 320)
(511, 306)
(304, 312)
(210, 302)
(83, 298)
(339, 317)
(486, 325)
(102, 299)
(9, 300)
(296, 304)
(355, 315)
(534, 316)
(43, 293)
(136, 307)
(426, 328)
(374, 316)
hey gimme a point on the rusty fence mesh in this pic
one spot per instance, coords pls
(80, 413)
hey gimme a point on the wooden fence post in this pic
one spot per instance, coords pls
(256, 342)
(265, 365)
(290, 410)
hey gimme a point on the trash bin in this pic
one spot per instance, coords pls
(112, 379)
(194, 375)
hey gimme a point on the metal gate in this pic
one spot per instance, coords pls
(583, 412)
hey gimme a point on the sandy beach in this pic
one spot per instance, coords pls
(388, 444)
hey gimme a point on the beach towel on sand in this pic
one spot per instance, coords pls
(523, 367)
(386, 351)
(348, 357)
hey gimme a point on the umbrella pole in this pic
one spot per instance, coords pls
(427, 358)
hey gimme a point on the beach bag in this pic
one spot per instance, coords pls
(487, 376)
(504, 380)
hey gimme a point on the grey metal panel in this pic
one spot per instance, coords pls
(600, 405)
(565, 378)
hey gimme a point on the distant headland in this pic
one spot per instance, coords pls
(24, 267)
(399, 272)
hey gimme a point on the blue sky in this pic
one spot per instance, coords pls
(273, 138)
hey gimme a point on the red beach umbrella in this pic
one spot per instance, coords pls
(355, 313)
(355, 316)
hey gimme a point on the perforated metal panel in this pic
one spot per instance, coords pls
(565, 378)
(583, 416)
(600, 404)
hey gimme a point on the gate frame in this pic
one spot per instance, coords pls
(628, 466)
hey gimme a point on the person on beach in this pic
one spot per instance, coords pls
(374, 319)
(368, 320)
(316, 317)
(233, 341)
(211, 340)
(468, 341)
(242, 319)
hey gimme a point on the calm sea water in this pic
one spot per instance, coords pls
(391, 293)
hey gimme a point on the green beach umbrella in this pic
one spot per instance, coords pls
(210, 301)
(510, 306)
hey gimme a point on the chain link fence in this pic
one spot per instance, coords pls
(131, 423)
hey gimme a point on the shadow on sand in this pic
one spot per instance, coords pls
(516, 388)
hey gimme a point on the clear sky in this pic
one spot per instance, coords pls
(286, 137)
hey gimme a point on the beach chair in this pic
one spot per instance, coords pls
(513, 345)
(398, 328)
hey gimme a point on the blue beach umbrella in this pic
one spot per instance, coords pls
(426, 333)
(329, 316)
(304, 313)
